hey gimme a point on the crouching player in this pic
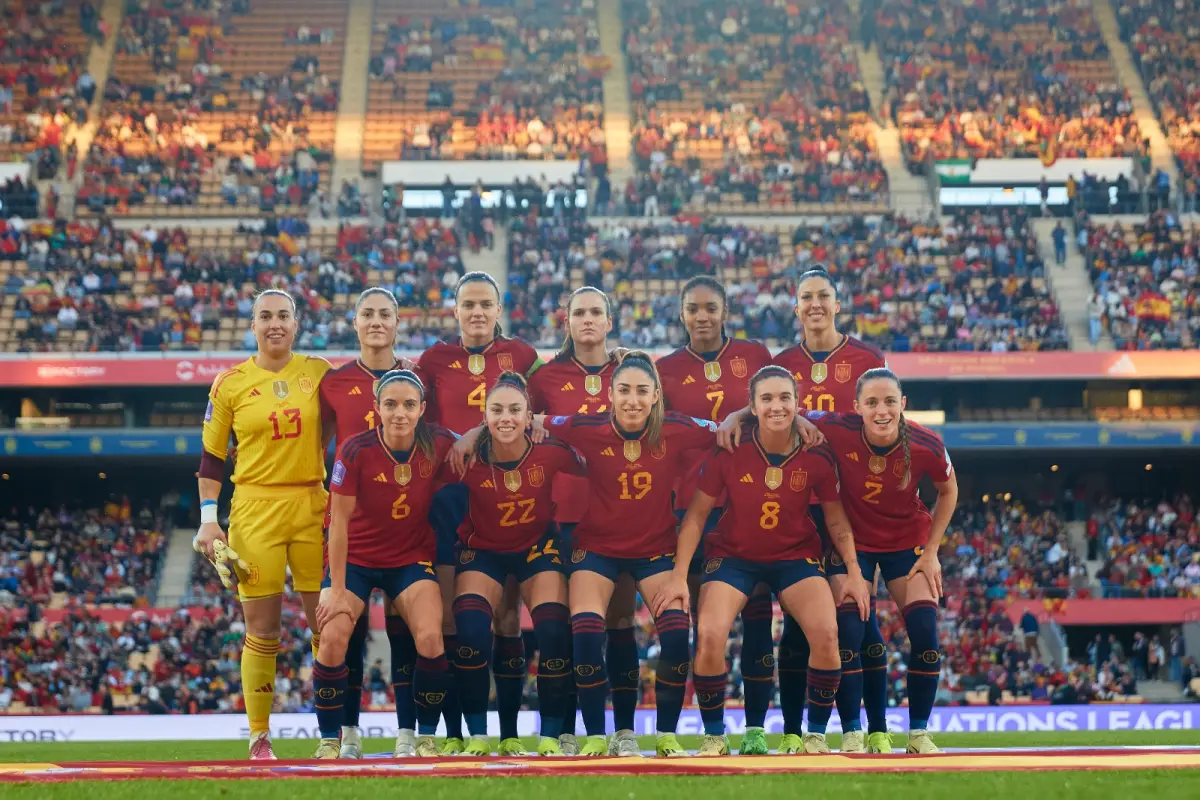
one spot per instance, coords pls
(509, 532)
(380, 538)
(766, 536)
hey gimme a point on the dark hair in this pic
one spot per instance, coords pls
(481, 277)
(817, 271)
(568, 346)
(706, 282)
(883, 373)
(376, 290)
(639, 359)
(507, 380)
(277, 292)
(771, 371)
(423, 439)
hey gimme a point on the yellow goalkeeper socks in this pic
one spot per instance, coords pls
(258, 681)
(316, 645)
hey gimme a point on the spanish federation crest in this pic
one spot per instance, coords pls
(877, 464)
(592, 384)
(841, 373)
(898, 469)
(476, 364)
(305, 383)
(466, 556)
(712, 565)
(512, 480)
(280, 388)
(426, 468)
(798, 480)
(578, 556)
(633, 451)
(537, 476)
(403, 474)
(660, 450)
(819, 372)
(738, 367)
(712, 370)
(505, 361)
(773, 478)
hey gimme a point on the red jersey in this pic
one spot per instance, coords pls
(828, 380)
(885, 518)
(390, 525)
(511, 505)
(766, 516)
(709, 386)
(630, 484)
(562, 387)
(457, 378)
(348, 399)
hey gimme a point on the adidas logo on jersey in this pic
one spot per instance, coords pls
(255, 393)
(381, 478)
(488, 485)
(456, 365)
(853, 457)
(568, 387)
(688, 380)
(608, 451)
(266, 688)
(355, 390)
(747, 479)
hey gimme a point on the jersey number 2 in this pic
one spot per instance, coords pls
(873, 490)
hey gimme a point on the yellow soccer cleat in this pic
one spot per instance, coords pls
(879, 742)
(594, 746)
(513, 748)
(713, 746)
(853, 742)
(476, 746)
(327, 750)
(427, 747)
(667, 746)
(452, 747)
(790, 745)
(921, 743)
(547, 747)
(814, 743)
(754, 743)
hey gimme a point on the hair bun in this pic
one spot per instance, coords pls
(510, 378)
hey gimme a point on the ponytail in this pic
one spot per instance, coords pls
(567, 351)
(906, 444)
(640, 359)
(423, 436)
(482, 277)
(507, 380)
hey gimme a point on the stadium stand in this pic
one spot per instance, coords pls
(1147, 292)
(975, 284)
(81, 286)
(506, 80)
(1003, 80)
(214, 110)
(748, 107)
(1151, 549)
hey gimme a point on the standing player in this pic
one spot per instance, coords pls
(766, 535)
(348, 407)
(882, 458)
(380, 538)
(635, 454)
(509, 533)
(457, 376)
(827, 365)
(270, 404)
(708, 379)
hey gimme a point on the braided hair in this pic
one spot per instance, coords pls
(423, 438)
(507, 380)
(481, 277)
(640, 359)
(883, 373)
(567, 351)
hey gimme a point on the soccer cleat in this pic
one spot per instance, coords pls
(260, 747)
(667, 746)
(815, 743)
(713, 746)
(513, 748)
(920, 742)
(790, 744)
(594, 746)
(351, 744)
(476, 746)
(624, 744)
(547, 747)
(754, 743)
(569, 744)
(327, 750)
(426, 747)
(406, 744)
(879, 742)
(452, 747)
(853, 742)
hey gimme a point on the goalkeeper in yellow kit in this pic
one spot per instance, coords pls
(271, 405)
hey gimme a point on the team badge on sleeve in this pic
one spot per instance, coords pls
(559, 420)
(705, 423)
(208, 412)
(339, 473)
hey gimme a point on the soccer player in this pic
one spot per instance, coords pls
(766, 535)
(457, 376)
(509, 533)
(635, 454)
(882, 458)
(348, 407)
(270, 404)
(827, 365)
(707, 379)
(383, 484)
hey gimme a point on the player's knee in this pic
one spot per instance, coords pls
(822, 640)
(430, 643)
(711, 639)
(508, 623)
(335, 639)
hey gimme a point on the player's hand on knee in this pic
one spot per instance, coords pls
(929, 566)
(673, 594)
(855, 589)
(331, 604)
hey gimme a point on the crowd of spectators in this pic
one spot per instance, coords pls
(974, 284)
(1003, 80)
(760, 101)
(1146, 280)
(1150, 549)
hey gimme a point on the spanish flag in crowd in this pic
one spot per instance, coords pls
(488, 52)
(872, 325)
(1152, 305)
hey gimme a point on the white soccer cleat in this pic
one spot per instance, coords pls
(351, 744)
(921, 743)
(260, 747)
(815, 743)
(853, 742)
(624, 744)
(426, 747)
(406, 743)
(327, 750)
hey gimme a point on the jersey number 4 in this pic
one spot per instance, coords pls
(478, 397)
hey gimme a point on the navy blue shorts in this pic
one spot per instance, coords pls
(710, 525)
(542, 557)
(637, 568)
(893, 565)
(744, 575)
(361, 581)
(447, 513)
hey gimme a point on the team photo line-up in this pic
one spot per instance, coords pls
(480, 477)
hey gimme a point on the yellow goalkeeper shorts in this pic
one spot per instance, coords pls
(274, 528)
